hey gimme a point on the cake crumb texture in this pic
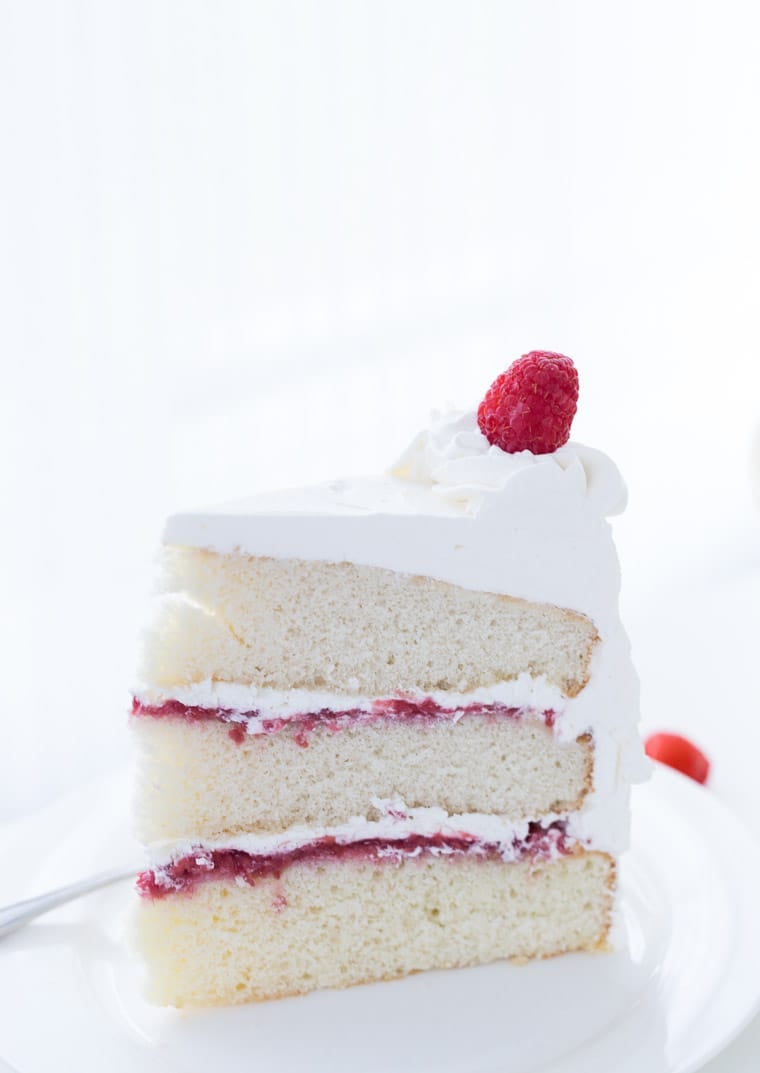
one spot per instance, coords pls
(338, 924)
(291, 624)
(196, 782)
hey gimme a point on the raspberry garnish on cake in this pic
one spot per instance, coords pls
(394, 716)
(531, 406)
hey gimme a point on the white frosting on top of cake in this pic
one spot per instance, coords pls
(453, 508)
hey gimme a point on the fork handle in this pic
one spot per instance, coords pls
(17, 915)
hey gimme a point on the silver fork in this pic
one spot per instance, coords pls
(19, 914)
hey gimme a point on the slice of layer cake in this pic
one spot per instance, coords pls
(389, 725)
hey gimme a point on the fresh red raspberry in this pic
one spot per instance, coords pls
(680, 753)
(531, 406)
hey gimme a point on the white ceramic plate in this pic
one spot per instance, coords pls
(684, 983)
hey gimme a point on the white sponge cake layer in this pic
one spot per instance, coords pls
(198, 783)
(291, 624)
(333, 924)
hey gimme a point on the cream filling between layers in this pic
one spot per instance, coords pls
(524, 692)
(395, 824)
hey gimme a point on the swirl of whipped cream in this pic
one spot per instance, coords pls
(457, 462)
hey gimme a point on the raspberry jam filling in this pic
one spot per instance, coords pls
(183, 875)
(396, 708)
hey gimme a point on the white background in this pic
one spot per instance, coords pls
(248, 244)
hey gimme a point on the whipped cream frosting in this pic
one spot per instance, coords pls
(453, 508)
(460, 510)
(457, 462)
